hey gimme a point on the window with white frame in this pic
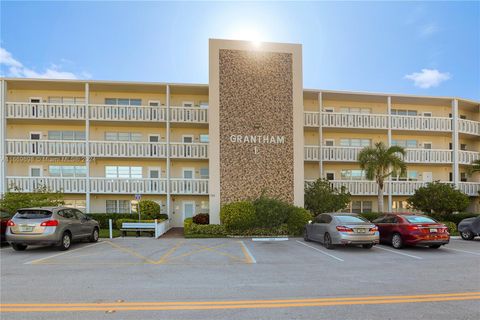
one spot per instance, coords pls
(355, 110)
(78, 204)
(67, 171)
(410, 144)
(329, 142)
(123, 101)
(70, 100)
(118, 206)
(66, 135)
(123, 136)
(355, 174)
(403, 112)
(204, 174)
(355, 142)
(123, 172)
(361, 206)
(204, 138)
(407, 176)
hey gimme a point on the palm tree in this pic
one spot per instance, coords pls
(379, 162)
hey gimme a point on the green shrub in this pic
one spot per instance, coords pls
(120, 221)
(321, 196)
(102, 218)
(193, 230)
(370, 216)
(281, 230)
(201, 218)
(452, 227)
(269, 212)
(238, 216)
(149, 209)
(297, 219)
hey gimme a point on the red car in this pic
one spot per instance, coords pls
(411, 229)
(4, 217)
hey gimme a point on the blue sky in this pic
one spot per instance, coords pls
(430, 48)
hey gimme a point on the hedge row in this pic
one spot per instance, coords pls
(193, 230)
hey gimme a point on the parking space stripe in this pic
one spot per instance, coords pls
(400, 253)
(169, 252)
(62, 253)
(465, 251)
(321, 251)
(247, 253)
(130, 251)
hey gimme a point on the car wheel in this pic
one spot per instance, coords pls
(65, 242)
(435, 246)
(467, 235)
(94, 235)
(327, 241)
(367, 246)
(19, 247)
(397, 241)
(305, 236)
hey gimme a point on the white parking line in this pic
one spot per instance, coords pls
(62, 253)
(321, 251)
(475, 253)
(248, 252)
(400, 253)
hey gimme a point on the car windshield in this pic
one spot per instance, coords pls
(33, 214)
(419, 219)
(351, 219)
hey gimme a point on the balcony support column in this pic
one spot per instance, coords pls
(455, 145)
(389, 124)
(168, 152)
(87, 147)
(320, 134)
(3, 137)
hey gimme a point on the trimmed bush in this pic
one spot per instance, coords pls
(297, 219)
(269, 212)
(193, 230)
(201, 218)
(452, 227)
(281, 230)
(102, 218)
(238, 216)
(149, 209)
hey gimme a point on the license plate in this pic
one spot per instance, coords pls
(361, 231)
(25, 228)
(434, 230)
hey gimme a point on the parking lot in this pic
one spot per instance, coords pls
(131, 278)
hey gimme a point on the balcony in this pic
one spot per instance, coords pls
(467, 157)
(55, 148)
(470, 188)
(22, 110)
(350, 154)
(421, 123)
(354, 120)
(110, 186)
(469, 127)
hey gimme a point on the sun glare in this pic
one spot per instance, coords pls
(248, 34)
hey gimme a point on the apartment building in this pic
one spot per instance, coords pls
(105, 144)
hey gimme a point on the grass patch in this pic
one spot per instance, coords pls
(105, 233)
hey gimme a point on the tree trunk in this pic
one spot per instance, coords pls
(380, 198)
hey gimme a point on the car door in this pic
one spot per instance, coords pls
(85, 224)
(74, 224)
(312, 228)
(476, 226)
(382, 227)
(321, 226)
(390, 226)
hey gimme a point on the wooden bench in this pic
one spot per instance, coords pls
(138, 227)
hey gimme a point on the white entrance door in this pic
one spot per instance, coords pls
(187, 149)
(154, 139)
(427, 177)
(188, 209)
(35, 171)
(34, 144)
(154, 184)
(188, 174)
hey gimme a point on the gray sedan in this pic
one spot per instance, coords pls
(50, 226)
(469, 228)
(342, 228)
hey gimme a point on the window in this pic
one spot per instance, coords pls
(367, 206)
(427, 145)
(123, 101)
(402, 112)
(463, 177)
(356, 206)
(203, 105)
(188, 174)
(67, 171)
(419, 219)
(66, 135)
(329, 142)
(411, 144)
(123, 136)
(204, 138)
(187, 139)
(187, 104)
(35, 171)
(355, 110)
(117, 206)
(352, 175)
(154, 103)
(408, 176)
(399, 206)
(463, 117)
(77, 204)
(427, 114)
(329, 110)
(355, 142)
(70, 100)
(351, 219)
(204, 174)
(463, 147)
(123, 172)
(330, 176)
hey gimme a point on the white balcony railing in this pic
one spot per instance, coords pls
(127, 113)
(350, 154)
(109, 186)
(353, 120)
(23, 110)
(467, 157)
(310, 119)
(18, 147)
(188, 115)
(128, 149)
(470, 188)
(189, 150)
(421, 123)
(469, 126)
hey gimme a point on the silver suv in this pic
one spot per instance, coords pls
(57, 226)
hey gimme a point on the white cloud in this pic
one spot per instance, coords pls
(428, 30)
(15, 68)
(428, 78)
